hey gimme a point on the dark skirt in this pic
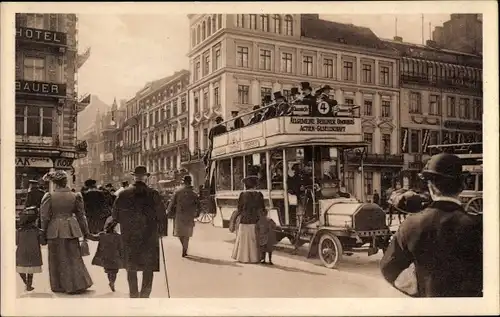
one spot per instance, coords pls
(28, 252)
(109, 254)
(67, 270)
(96, 223)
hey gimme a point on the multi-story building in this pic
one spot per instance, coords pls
(164, 106)
(132, 135)
(463, 33)
(46, 96)
(441, 100)
(236, 59)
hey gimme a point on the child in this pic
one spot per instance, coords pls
(28, 252)
(267, 237)
(109, 252)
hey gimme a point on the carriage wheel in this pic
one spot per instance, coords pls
(206, 218)
(475, 206)
(330, 250)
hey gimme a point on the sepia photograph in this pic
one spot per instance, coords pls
(191, 152)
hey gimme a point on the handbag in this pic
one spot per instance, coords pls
(84, 248)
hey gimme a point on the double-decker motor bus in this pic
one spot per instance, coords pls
(301, 159)
(471, 155)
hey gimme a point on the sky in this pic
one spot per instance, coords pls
(127, 51)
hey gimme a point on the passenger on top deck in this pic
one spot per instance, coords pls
(218, 129)
(307, 93)
(271, 110)
(256, 116)
(238, 122)
(266, 101)
(282, 106)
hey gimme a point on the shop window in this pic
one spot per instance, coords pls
(368, 183)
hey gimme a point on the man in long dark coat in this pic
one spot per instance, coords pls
(141, 214)
(184, 208)
(443, 243)
(97, 207)
(34, 197)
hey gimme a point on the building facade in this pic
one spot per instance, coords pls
(463, 33)
(46, 97)
(441, 100)
(237, 59)
(163, 111)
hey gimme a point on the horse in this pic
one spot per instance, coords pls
(406, 201)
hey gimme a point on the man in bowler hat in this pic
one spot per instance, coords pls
(443, 243)
(140, 212)
(97, 206)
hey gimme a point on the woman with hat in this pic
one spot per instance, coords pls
(63, 223)
(97, 207)
(140, 212)
(250, 208)
(184, 207)
(442, 245)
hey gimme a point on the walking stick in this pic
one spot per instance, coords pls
(165, 266)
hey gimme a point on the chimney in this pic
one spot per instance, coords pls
(431, 43)
(398, 39)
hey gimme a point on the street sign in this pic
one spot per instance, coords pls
(63, 163)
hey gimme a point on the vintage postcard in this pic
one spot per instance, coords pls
(249, 158)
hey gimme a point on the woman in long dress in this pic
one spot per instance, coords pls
(63, 223)
(250, 207)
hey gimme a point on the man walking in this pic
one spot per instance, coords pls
(97, 207)
(34, 196)
(141, 214)
(443, 242)
(184, 208)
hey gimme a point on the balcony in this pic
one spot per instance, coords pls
(377, 159)
(460, 83)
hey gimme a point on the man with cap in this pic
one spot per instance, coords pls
(34, 196)
(97, 207)
(140, 211)
(441, 247)
(184, 208)
(256, 116)
(237, 122)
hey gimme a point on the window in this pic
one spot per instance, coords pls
(151, 119)
(264, 91)
(368, 137)
(237, 173)
(168, 112)
(183, 104)
(415, 102)
(477, 110)
(196, 139)
(262, 171)
(34, 121)
(434, 105)
(205, 104)
(253, 21)
(367, 73)
(162, 139)
(277, 23)
(386, 143)
(198, 34)
(307, 65)
(206, 68)
(197, 71)
(223, 176)
(414, 141)
(368, 108)
(434, 138)
(156, 141)
(174, 108)
(348, 71)
(214, 23)
(265, 60)
(217, 59)
(183, 133)
(209, 27)
(288, 25)
(264, 22)
(286, 62)
(240, 20)
(219, 21)
(243, 94)
(386, 108)
(242, 56)
(34, 69)
(196, 103)
(464, 108)
(174, 135)
(216, 96)
(349, 101)
(203, 31)
(35, 21)
(328, 67)
(451, 110)
(384, 76)
(168, 137)
(205, 138)
(368, 183)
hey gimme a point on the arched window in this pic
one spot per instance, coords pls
(198, 35)
(193, 37)
(219, 21)
(214, 23)
(264, 22)
(203, 31)
(209, 27)
(277, 23)
(288, 25)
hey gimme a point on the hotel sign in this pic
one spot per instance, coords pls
(43, 36)
(40, 88)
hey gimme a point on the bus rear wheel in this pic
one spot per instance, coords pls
(330, 250)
